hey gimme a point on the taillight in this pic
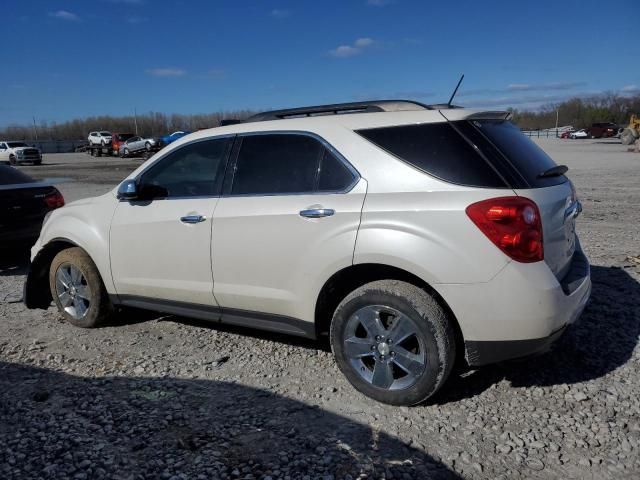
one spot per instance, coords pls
(513, 224)
(54, 199)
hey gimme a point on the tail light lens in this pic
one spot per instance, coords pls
(513, 224)
(54, 199)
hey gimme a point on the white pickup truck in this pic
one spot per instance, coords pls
(19, 152)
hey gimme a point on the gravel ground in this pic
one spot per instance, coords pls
(166, 397)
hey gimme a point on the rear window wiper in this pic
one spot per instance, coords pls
(554, 171)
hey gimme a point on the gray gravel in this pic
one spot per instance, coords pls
(165, 397)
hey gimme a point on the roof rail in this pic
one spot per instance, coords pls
(340, 109)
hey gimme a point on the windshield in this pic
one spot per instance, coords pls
(17, 144)
(124, 136)
(522, 153)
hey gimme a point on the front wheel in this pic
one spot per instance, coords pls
(147, 146)
(13, 160)
(77, 289)
(393, 342)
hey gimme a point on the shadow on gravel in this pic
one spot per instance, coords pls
(602, 340)
(56, 425)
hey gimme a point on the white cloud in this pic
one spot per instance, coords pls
(346, 51)
(280, 13)
(363, 42)
(64, 15)
(630, 88)
(167, 72)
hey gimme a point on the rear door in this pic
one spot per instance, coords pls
(290, 213)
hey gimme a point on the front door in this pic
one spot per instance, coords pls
(161, 243)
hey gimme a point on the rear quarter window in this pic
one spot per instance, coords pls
(439, 150)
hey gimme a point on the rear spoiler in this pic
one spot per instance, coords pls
(464, 114)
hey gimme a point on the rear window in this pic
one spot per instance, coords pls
(439, 150)
(11, 176)
(523, 155)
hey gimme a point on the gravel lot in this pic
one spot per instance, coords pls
(166, 397)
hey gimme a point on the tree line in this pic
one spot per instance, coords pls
(578, 112)
(152, 124)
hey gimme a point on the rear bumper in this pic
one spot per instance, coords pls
(521, 311)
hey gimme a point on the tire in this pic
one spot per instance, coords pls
(12, 160)
(37, 162)
(147, 147)
(428, 347)
(125, 153)
(87, 303)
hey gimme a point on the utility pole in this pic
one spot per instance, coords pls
(35, 129)
(557, 117)
(135, 119)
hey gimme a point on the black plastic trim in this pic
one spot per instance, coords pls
(485, 353)
(230, 316)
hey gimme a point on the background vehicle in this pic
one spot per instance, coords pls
(603, 130)
(24, 202)
(632, 132)
(100, 138)
(582, 133)
(172, 137)
(566, 133)
(19, 152)
(409, 234)
(117, 139)
(137, 144)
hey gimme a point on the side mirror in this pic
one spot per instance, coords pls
(128, 190)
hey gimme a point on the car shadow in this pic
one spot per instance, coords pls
(602, 340)
(126, 427)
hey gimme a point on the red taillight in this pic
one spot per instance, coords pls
(513, 224)
(54, 199)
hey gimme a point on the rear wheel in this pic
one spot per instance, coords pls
(77, 289)
(393, 342)
(13, 160)
(125, 153)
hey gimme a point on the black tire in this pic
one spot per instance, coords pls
(147, 147)
(434, 338)
(99, 306)
(125, 153)
(37, 162)
(12, 160)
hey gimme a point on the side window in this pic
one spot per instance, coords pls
(194, 170)
(276, 164)
(334, 176)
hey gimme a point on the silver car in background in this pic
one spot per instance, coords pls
(136, 144)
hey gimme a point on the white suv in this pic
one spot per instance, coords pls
(413, 236)
(100, 138)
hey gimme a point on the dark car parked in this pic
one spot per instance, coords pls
(24, 202)
(603, 130)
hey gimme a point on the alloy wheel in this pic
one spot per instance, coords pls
(384, 347)
(73, 290)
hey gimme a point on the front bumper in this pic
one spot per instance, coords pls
(521, 311)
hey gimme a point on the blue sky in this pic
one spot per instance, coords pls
(65, 59)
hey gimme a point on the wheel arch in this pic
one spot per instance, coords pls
(36, 288)
(343, 282)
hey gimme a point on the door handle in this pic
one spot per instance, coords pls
(317, 212)
(193, 219)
